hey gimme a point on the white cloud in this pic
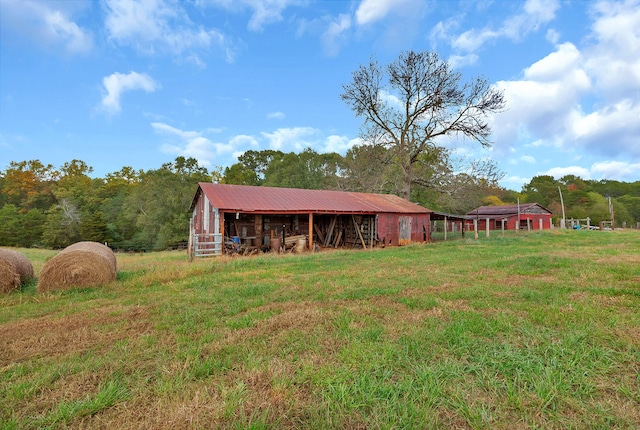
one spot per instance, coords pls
(195, 144)
(45, 23)
(614, 57)
(528, 159)
(515, 182)
(370, 11)
(157, 25)
(618, 124)
(243, 141)
(459, 61)
(584, 100)
(294, 139)
(297, 139)
(618, 170)
(339, 144)
(276, 115)
(117, 83)
(263, 12)
(534, 14)
(334, 35)
(542, 106)
(559, 172)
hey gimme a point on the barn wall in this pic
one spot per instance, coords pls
(421, 225)
(390, 227)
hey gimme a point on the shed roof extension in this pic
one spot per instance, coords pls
(245, 198)
(499, 211)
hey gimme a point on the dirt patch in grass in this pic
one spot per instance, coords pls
(633, 259)
(51, 336)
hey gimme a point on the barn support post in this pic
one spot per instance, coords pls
(221, 227)
(503, 220)
(310, 244)
(486, 227)
(190, 241)
(257, 226)
(540, 223)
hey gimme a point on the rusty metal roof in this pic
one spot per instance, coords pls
(245, 198)
(504, 210)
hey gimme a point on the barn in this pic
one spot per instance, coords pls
(229, 218)
(526, 216)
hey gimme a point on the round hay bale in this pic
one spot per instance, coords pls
(83, 264)
(94, 247)
(9, 278)
(22, 264)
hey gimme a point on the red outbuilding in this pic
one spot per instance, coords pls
(526, 216)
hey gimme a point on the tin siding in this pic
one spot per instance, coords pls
(388, 229)
(421, 224)
(397, 229)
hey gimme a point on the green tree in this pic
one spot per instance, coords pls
(239, 174)
(94, 228)
(308, 169)
(10, 227)
(542, 190)
(632, 204)
(114, 190)
(158, 205)
(32, 223)
(251, 167)
(413, 101)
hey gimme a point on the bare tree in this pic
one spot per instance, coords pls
(414, 100)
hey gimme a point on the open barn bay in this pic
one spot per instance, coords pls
(538, 330)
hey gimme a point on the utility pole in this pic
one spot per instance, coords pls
(613, 223)
(562, 222)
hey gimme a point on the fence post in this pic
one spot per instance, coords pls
(487, 227)
(475, 228)
(445, 228)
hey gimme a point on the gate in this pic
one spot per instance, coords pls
(207, 244)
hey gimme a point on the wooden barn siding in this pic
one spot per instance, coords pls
(199, 216)
(389, 228)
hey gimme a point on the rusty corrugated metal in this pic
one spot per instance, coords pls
(503, 210)
(244, 198)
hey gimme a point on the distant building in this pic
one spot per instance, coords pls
(526, 216)
(257, 217)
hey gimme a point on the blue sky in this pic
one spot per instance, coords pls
(119, 83)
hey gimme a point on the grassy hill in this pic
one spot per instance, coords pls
(539, 330)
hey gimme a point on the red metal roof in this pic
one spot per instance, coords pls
(504, 210)
(244, 198)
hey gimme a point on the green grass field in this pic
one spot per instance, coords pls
(539, 330)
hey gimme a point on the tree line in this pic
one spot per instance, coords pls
(44, 206)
